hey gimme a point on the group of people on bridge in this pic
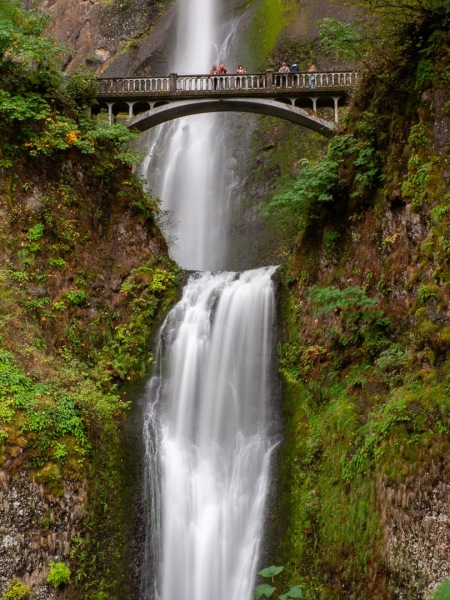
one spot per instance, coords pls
(294, 68)
(222, 70)
(284, 69)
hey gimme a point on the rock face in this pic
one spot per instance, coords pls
(36, 529)
(96, 31)
(134, 37)
(416, 518)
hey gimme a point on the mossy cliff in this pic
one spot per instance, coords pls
(363, 472)
(84, 275)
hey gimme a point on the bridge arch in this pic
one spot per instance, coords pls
(274, 108)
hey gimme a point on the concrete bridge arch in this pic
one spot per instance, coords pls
(183, 108)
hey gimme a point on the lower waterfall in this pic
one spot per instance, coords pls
(208, 439)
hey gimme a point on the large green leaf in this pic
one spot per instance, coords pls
(442, 592)
(271, 571)
(294, 592)
(263, 589)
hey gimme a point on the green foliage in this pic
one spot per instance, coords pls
(81, 87)
(264, 590)
(442, 592)
(427, 292)
(36, 232)
(149, 289)
(145, 204)
(425, 73)
(49, 105)
(16, 590)
(318, 183)
(295, 592)
(57, 263)
(327, 299)
(331, 239)
(59, 574)
(369, 438)
(51, 412)
(262, 33)
(271, 571)
(76, 297)
(363, 326)
(391, 363)
(345, 40)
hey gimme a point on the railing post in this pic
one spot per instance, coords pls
(269, 81)
(173, 83)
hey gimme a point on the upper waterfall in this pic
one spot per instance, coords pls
(186, 161)
(196, 36)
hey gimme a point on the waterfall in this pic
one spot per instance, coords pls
(186, 163)
(209, 408)
(208, 419)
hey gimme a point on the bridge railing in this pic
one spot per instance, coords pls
(134, 85)
(268, 81)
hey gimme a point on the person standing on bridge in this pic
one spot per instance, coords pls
(222, 71)
(214, 71)
(312, 78)
(284, 70)
(239, 71)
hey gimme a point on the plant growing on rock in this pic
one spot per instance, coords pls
(16, 590)
(59, 574)
(265, 590)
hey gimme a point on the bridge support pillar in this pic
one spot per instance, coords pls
(173, 82)
(110, 112)
(336, 106)
(314, 102)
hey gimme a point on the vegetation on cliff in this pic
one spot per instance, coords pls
(84, 275)
(366, 358)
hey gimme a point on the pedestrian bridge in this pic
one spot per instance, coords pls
(296, 97)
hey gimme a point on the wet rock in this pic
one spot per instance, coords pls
(32, 536)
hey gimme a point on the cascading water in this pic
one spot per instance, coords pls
(207, 432)
(186, 163)
(210, 411)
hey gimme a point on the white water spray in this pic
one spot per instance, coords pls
(211, 400)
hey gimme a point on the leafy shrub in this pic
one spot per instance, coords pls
(392, 362)
(328, 299)
(364, 327)
(427, 292)
(36, 232)
(16, 590)
(343, 39)
(59, 574)
(76, 297)
(318, 183)
(57, 263)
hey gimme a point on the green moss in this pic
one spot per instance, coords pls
(262, 34)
